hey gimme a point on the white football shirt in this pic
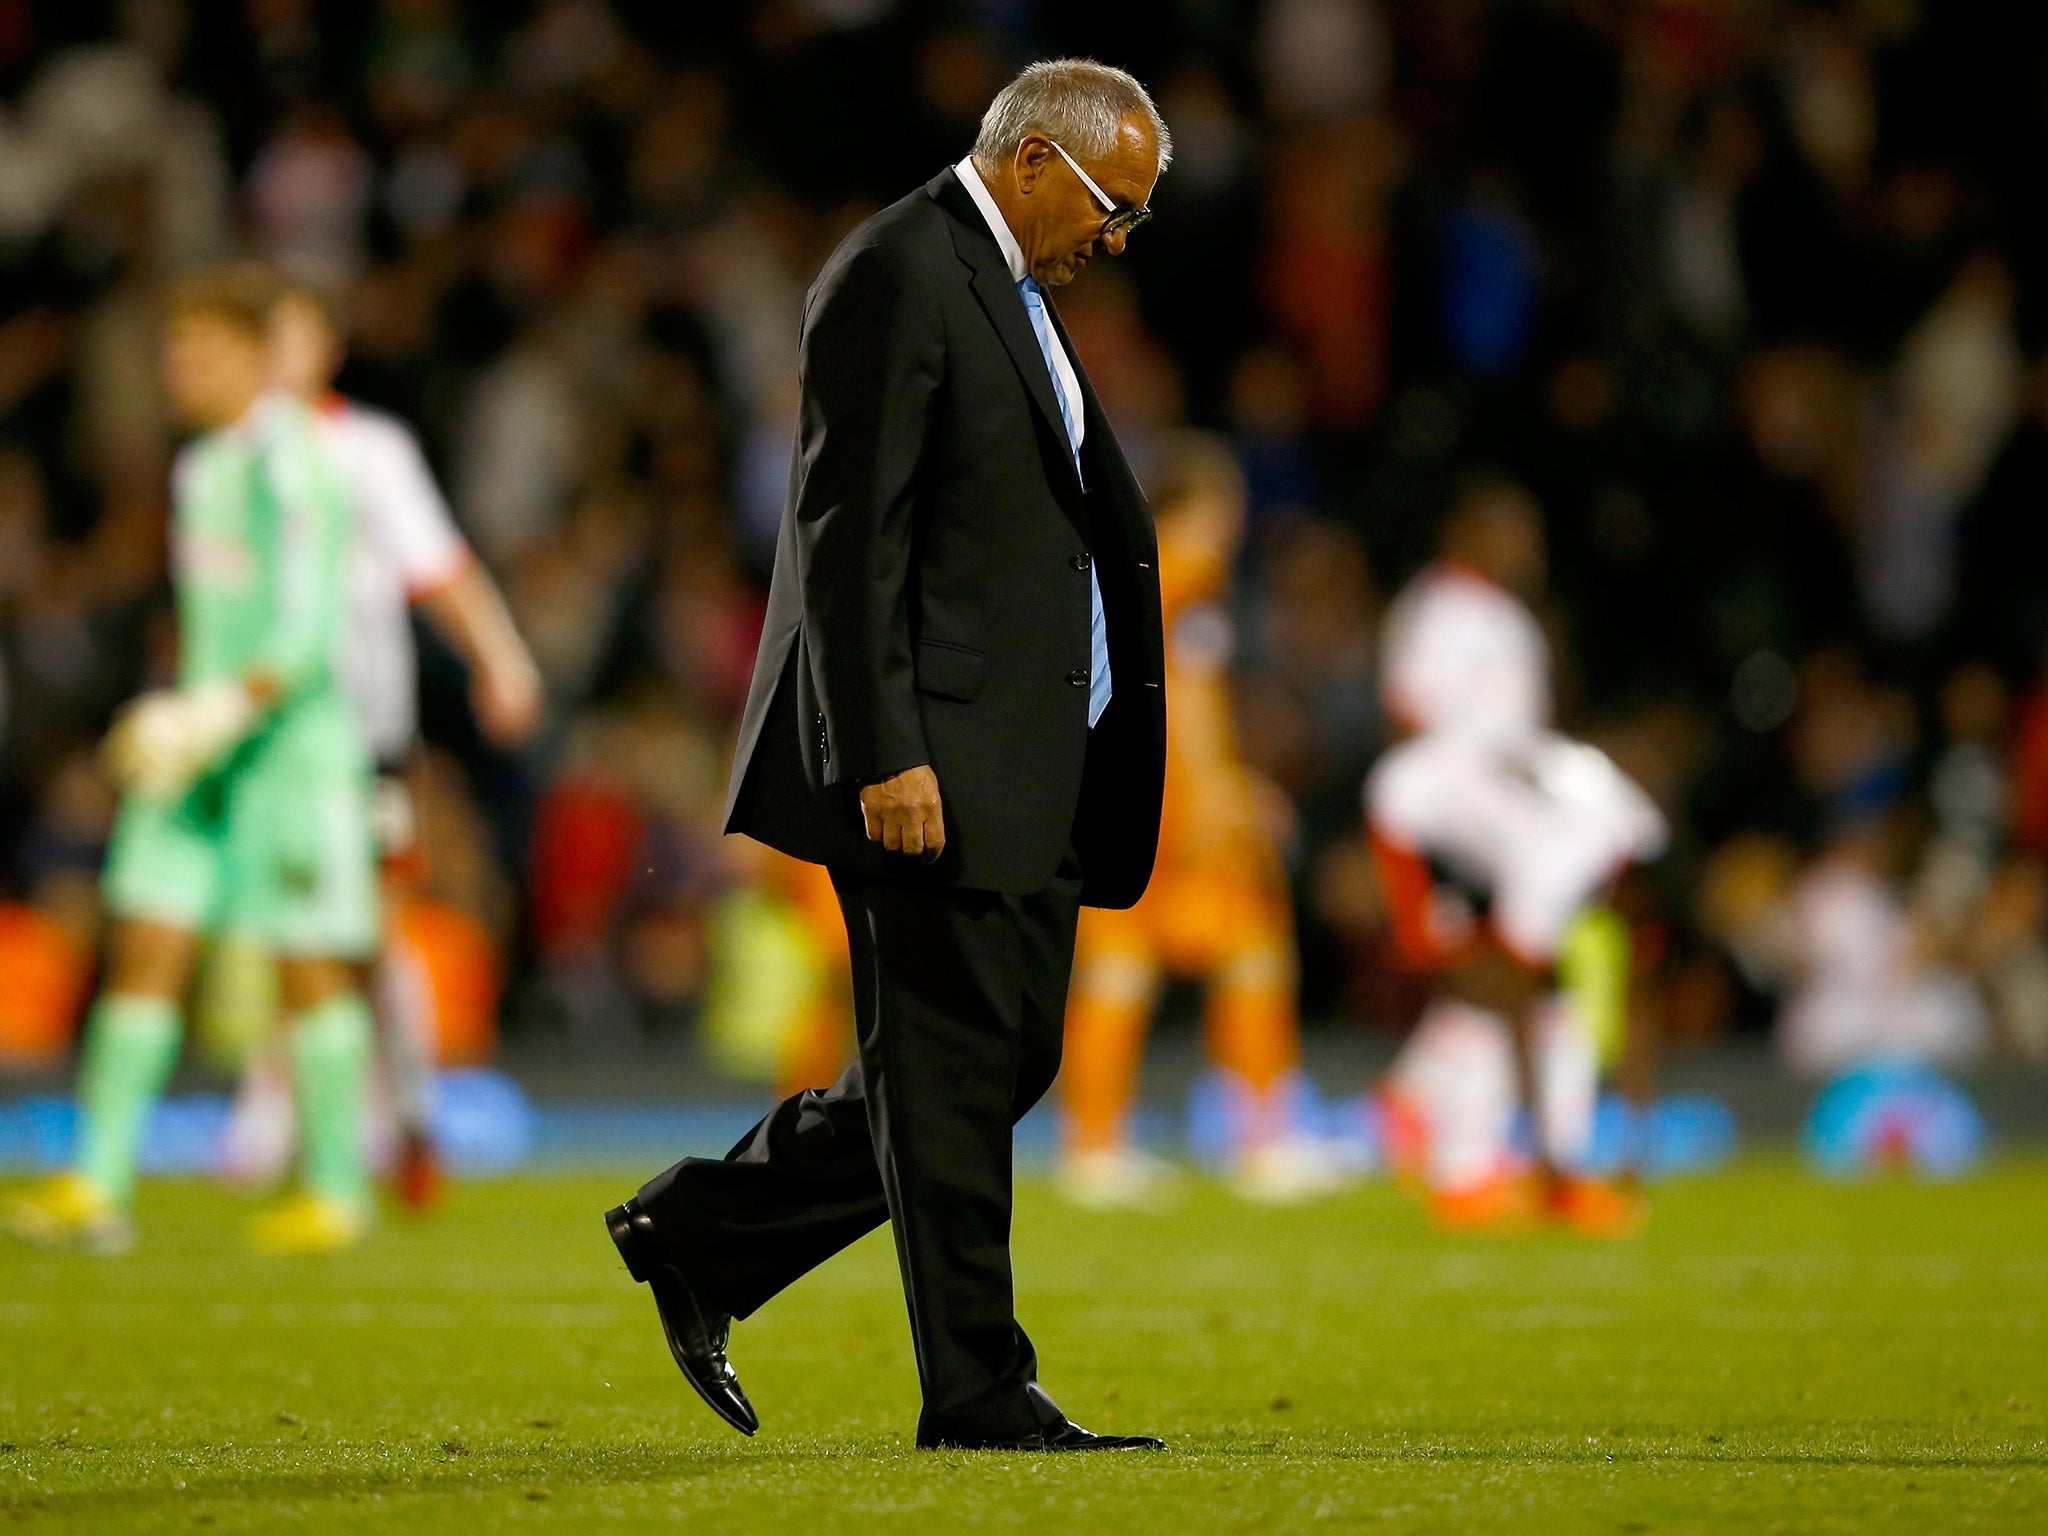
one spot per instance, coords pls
(1461, 653)
(1539, 826)
(406, 548)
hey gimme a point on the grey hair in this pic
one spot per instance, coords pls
(1077, 102)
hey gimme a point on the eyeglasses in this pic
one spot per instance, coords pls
(1121, 220)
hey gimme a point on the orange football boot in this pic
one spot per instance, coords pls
(1504, 1203)
(1595, 1207)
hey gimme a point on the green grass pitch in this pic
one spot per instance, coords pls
(1774, 1355)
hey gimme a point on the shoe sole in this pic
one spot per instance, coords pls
(1095, 1443)
(657, 1275)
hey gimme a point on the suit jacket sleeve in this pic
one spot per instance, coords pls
(872, 356)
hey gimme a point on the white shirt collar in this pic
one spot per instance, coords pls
(977, 189)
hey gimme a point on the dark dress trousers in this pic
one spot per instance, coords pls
(930, 605)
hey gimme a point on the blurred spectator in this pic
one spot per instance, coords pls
(309, 193)
(1952, 398)
(1322, 58)
(1307, 694)
(1327, 271)
(1861, 983)
(518, 447)
(1269, 423)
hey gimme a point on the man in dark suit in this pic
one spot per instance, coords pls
(958, 709)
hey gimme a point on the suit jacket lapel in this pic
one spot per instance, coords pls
(1004, 306)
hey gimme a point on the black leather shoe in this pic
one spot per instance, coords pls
(1069, 1436)
(1063, 1436)
(696, 1338)
(1055, 1432)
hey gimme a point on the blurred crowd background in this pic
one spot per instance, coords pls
(1749, 298)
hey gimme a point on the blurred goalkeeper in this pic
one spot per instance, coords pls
(246, 790)
(407, 553)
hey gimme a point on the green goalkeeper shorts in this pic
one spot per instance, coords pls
(277, 844)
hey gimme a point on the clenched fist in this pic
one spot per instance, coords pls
(904, 814)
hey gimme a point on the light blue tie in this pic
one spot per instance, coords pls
(1098, 627)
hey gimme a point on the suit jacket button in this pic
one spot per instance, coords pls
(1078, 678)
(1081, 562)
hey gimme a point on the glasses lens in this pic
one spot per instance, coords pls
(1126, 221)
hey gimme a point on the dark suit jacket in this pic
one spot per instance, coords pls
(930, 598)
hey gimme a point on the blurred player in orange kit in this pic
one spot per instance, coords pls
(1217, 911)
(1496, 839)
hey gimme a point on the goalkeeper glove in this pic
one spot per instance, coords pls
(165, 740)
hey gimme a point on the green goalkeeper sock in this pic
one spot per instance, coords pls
(330, 1048)
(131, 1044)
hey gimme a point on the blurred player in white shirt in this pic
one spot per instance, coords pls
(1494, 836)
(408, 554)
(1462, 654)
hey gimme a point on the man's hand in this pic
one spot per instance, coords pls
(505, 690)
(904, 815)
